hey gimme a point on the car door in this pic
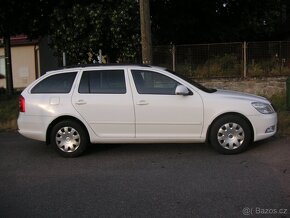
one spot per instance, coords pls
(104, 100)
(160, 113)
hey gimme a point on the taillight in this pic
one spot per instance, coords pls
(21, 104)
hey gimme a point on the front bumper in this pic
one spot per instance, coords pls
(264, 125)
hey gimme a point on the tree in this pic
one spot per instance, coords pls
(18, 17)
(82, 28)
(183, 21)
(204, 21)
(76, 31)
(125, 30)
(250, 20)
(145, 23)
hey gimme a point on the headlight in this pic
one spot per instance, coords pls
(263, 107)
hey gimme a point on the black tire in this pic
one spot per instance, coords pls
(230, 134)
(69, 138)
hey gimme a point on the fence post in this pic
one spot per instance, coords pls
(245, 58)
(63, 59)
(280, 58)
(209, 61)
(173, 57)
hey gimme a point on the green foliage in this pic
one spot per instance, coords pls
(186, 70)
(76, 31)
(279, 102)
(177, 22)
(227, 65)
(284, 123)
(9, 111)
(224, 66)
(125, 30)
(255, 70)
(82, 29)
(270, 67)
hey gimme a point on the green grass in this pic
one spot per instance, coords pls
(9, 108)
(284, 123)
(279, 102)
(8, 112)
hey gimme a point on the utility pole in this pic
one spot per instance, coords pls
(8, 66)
(145, 31)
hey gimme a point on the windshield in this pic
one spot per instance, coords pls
(192, 82)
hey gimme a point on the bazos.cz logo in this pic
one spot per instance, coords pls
(264, 211)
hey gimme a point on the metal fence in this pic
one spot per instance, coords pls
(240, 59)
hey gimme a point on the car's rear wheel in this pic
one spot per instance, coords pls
(230, 134)
(69, 138)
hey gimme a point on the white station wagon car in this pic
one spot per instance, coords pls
(72, 107)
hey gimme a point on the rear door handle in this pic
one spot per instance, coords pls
(81, 102)
(142, 102)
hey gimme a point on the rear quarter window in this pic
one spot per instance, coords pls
(58, 83)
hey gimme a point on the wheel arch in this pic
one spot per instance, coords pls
(62, 118)
(230, 114)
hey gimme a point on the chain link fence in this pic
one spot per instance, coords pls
(240, 59)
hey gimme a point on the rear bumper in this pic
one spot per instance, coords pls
(32, 127)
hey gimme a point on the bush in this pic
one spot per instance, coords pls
(9, 112)
(279, 102)
(268, 67)
(227, 65)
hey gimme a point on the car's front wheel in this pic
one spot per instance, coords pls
(69, 138)
(230, 134)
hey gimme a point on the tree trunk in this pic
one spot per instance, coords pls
(145, 32)
(8, 66)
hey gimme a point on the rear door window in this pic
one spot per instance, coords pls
(103, 82)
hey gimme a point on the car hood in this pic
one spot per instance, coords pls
(240, 95)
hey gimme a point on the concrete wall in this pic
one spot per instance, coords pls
(23, 65)
(267, 86)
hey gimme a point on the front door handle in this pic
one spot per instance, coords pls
(142, 102)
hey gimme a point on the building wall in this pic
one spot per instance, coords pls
(23, 65)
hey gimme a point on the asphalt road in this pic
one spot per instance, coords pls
(145, 180)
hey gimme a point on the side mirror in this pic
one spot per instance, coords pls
(181, 90)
